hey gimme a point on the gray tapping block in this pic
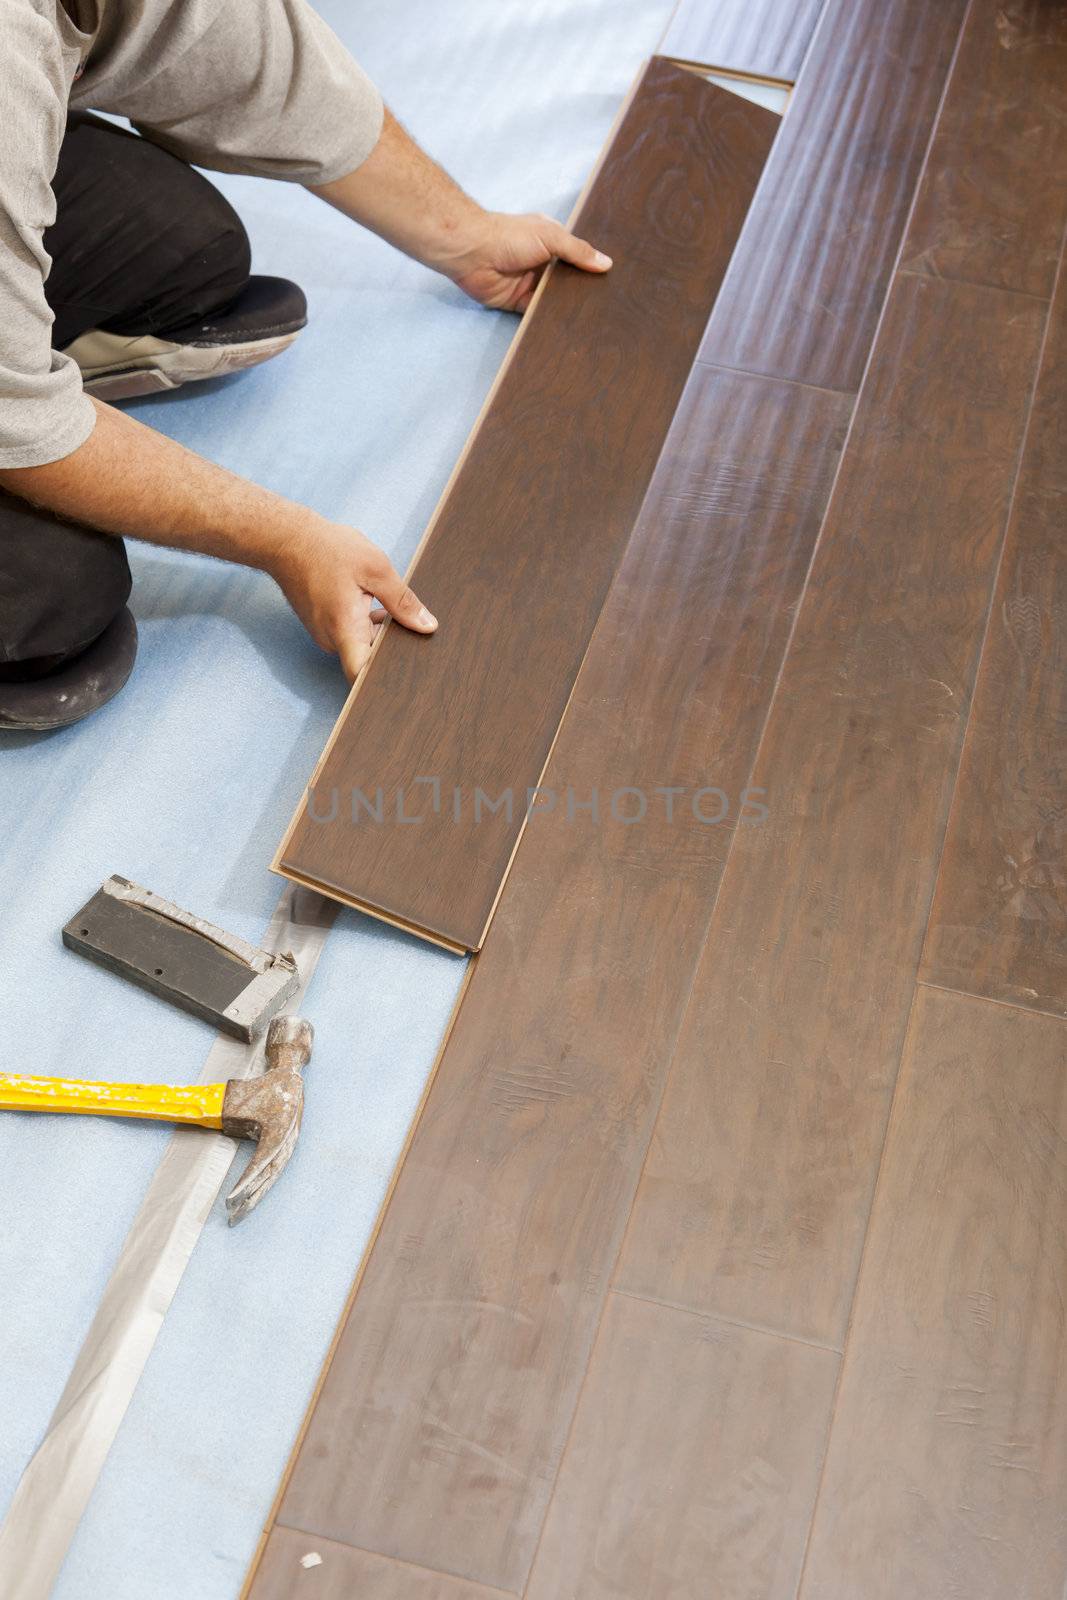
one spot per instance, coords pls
(199, 967)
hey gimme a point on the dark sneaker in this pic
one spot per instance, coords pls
(35, 696)
(263, 321)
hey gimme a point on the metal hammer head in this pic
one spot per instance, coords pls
(268, 1108)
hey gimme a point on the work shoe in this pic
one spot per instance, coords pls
(44, 694)
(263, 321)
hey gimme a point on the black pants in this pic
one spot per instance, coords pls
(141, 244)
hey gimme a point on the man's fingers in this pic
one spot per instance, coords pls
(355, 634)
(579, 252)
(354, 653)
(400, 602)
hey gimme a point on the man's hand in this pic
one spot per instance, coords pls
(331, 576)
(409, 200)
(502, 268)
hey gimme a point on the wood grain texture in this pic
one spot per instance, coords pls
(529, 536)
(440, 1424)
(348, 1574)
(766, 38)
(948, 1452)
(758, 1182)
(993, 202)
(999, 921)
(693, 1462)
(811, 270)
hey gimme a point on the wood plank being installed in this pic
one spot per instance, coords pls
(524, 546)
(999, 922)
(993, 202)
(445, 1409)
(948, 1453)
(693, 1462)
(757, 1187)
(810, 273)
(762, 38)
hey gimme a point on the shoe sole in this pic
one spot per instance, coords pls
(147, 365)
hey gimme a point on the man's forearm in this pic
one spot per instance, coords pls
(406, 198)
(128, 479)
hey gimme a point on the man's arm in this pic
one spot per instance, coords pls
(128, 479)
(401, 194)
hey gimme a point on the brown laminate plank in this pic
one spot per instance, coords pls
(343, 1573)
(529, 535)
(999, 921)
(442, 1417)
(764, 38)
(693, 1462)
(993, 201)
(811, 270)
(947, 1459)
(756, 1190)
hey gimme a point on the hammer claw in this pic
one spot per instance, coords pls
(268, 1108)
(259, 1175)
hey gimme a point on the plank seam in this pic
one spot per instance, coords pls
(973, 283)
(832, 1418)
(819, 22)
(993, 1000)
(728, 1322)
(968, 729)
(409, 1566)
(773, 377)
(729, 72)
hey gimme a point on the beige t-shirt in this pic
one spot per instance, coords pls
(256, 86)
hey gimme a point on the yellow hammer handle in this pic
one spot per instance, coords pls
(199, 1103)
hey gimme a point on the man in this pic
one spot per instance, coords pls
(123, 269)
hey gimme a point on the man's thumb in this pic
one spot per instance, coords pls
(403, 604)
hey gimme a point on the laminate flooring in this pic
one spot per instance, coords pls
(728, 1256)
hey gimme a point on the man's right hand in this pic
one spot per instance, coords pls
(331, 575)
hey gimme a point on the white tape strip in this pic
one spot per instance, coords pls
(56, 1486)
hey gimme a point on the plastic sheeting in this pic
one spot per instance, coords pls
(186, 782)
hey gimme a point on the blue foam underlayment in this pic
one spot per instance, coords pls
(186, 782)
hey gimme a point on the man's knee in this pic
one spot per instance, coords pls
(200, 255)
(60, 586)
(142, 242)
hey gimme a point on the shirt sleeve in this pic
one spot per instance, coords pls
(266, 88)
(43, 413)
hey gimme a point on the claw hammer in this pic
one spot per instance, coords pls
(266, 1108)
